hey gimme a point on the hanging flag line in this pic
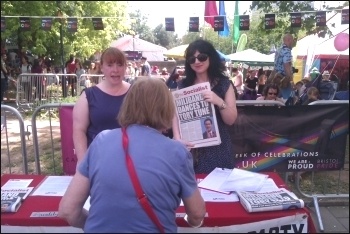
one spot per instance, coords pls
(117, 17)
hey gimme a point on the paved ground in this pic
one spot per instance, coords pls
(335, 219)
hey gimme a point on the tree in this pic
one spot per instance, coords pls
(83, 43)
(139, 27)
(164, 38)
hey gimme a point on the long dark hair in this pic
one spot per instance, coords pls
(216, 68)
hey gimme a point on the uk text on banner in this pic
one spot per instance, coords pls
(290, 138)
(193, 24)
(210, 11)
(68, 152)
(222, 12)
(24, 23)
(236, 33)
(46, 24)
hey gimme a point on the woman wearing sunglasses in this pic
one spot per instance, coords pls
(203, 64)
(271, 92)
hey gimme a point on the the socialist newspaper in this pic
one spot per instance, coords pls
(280, 199)
(11, 198)
(196, 117)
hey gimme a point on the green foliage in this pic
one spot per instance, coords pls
(83, 43)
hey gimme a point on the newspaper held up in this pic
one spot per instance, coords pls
(196, 117)
(280, 199)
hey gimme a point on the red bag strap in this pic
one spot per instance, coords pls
(141, 196)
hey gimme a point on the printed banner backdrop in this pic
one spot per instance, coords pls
(97, 23)
(72, 24)
(290, 138)
(244, 22)
(68, 152)
(24, 23)
(321, 19)
(295, 20)
(289, 224)
(345, 16)
(270, 21)
(194, 24)
(46, 24)
(219, 23)
(3, 24)
(169, 24)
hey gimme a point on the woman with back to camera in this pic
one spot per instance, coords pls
(203, 65)
(98, 106)
(163, 166)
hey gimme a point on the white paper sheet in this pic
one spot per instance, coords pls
(215, 179)
(211, 196)
(243, 180)
(53, 186)
(269, 186)
(17, 183)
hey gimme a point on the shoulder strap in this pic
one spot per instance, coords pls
(140, 194)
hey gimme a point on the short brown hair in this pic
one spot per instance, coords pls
(148, 102)
(113, 55)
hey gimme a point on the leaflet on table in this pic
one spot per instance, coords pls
(215, 179)
(53, 186)
(243, 180)
(192, 111)
(17, 183)
(280, 199)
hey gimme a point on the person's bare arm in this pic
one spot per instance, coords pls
(288, 69)
(71, 205)
(80, 125)
(195, 208)
(229, 114)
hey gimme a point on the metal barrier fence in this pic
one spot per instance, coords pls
(9, 146)
(324, 190)
(87, 80)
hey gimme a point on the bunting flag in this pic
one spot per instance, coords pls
(169, 24)
(46, 24)
(97, 23)
(219, 23)
(236, 24)
(3, 24)
(270, 21)
(193, 24)
(24, 23)
(72, 25)
(210, 10)
(222, 12)
(321, 19)
(345, 16)
(244, 22)
(295, 20)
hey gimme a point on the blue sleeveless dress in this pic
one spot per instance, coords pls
(206, 159)
(103, 111)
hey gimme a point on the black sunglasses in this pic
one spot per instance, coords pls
(200, 57)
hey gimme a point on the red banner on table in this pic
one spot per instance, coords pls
(290, 138)
(69, 157)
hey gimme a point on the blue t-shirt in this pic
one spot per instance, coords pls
(103, 111)
(164, 168)
(282, 56)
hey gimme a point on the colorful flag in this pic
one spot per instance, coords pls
(236, 24)
(222, 12)
(210, 10)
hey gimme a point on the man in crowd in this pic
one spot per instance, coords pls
(283, 66)
(146, 68)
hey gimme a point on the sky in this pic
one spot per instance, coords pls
(157, 11)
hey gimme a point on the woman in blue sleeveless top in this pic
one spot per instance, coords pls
(97, 107)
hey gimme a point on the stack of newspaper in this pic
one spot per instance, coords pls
(255, 191)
